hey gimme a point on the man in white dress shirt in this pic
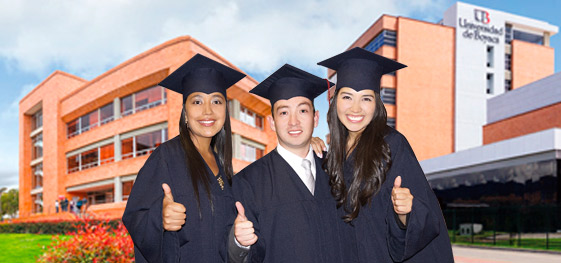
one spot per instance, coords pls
(285, 209)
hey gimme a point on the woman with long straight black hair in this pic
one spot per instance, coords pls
(389, 212)
(181, 207)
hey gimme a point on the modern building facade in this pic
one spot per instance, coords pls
(83, 139)
(439, 101)
(520, 163)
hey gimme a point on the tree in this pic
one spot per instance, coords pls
(10, 203)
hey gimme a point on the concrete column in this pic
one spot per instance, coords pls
(118, 186)
(236, 141)
(117, 147)
(546, 39)
(117, 108)
(235, 113)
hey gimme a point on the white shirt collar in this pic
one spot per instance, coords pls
(295, 161)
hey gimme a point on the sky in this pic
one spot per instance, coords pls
(87, 38)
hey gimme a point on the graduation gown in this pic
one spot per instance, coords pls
(374, 236)
(202, 238)
(292, 224)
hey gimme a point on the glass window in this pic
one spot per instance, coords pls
(391, 122)
(528, 37)
(490, 83)
(106, 113)
(259, 122)
(490, 56)
(37, 120)
(388, 96)
(248, 152)
(89, 159)
(37, 203)
(106, 154)
(100, 197)
(127, 148)
(508, 85)
(37, 176)
(73, 163)
(126, 106)
(386, 37)
(508, 58)
(89, 121)
(73, 128)
(127, 187)
(146, 143)
(37, 145)
(148, 98)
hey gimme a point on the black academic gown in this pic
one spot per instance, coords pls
(375, 236)
(202, 238)
(292, 224)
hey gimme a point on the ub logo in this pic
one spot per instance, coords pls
(481, 16)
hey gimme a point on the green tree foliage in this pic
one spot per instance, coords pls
(10, 201)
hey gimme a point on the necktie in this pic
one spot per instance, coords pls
(309, 178)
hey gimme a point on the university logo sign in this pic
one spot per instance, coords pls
(481, 16)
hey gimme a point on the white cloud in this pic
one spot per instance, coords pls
(87, 37)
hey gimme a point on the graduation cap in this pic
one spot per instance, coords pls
(360, 69)
(288, 82)
(201, 74)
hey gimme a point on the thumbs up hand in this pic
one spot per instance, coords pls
(402, 200)
(243, 228)
(173, 214)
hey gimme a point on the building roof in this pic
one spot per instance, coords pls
(533, 96)
(537, 146)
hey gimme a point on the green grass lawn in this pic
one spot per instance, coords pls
(22, 247)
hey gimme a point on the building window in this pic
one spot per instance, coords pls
(508, 85)
(127, 188)
(386, 37)
(91, 158)
(126, 106)
(101, 197)
(73, 163)
(142, 100)
(142, 144)
(508, 63)
(106, 114)
(490, 56)
(490, 83)
(388, 96)
(106, 154)
(37, 120)
(37, 176)
(91, 120)
(37, 203)
(37, 146)
(249, 152)
(528, 37)
(391, 122)
(251, 118)
(508, 34)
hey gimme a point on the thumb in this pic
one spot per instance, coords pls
(397, 182)
(241, 210)
(167, 191)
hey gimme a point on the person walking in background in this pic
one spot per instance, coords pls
(56, 206)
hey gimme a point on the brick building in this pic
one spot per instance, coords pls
(454, 66)
(89, 138)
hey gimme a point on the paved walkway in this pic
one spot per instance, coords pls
(481, 255)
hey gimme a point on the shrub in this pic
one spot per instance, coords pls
(55, 227)
(93, 241)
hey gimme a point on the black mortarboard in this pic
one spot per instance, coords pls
(201, 74)
(289, 81)
(360, 69)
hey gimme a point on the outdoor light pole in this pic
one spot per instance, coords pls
(1, 191)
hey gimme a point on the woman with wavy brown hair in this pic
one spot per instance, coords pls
(389, 212)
